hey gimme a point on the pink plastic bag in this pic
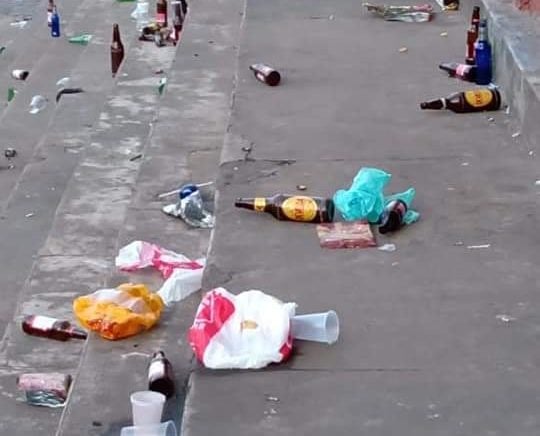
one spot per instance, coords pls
(248, 330)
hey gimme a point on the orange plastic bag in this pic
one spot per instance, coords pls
(119, 313)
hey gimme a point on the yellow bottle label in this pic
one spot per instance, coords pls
(300, 208)
(479, 97)
(259, 204)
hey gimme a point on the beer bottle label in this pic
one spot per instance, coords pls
(479, 97)
(300, 208)
(160, 18)
(43, 322)
(156, 370)
(259, 204)
(462, 70)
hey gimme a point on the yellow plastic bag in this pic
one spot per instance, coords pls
(119, 313)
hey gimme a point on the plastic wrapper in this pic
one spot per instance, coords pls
(365, 199)
(119, 313)
(248, 330)
(182, 283)
(346, 235)
(45, 389)
(406, 13)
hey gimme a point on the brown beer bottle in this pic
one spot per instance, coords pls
(178, 21)
(477, 100)
(160, 375)
(161, 13)
(291, 207)
(461, 71)
(265, 74)
(47, 327)
(117, 50)
(472, 36)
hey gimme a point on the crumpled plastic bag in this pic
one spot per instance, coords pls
(365, 199)
(248, 330)
(141, 254)
(118, 313)
(182, 283)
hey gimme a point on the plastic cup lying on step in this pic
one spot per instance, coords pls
(318, 327)
(147, 407)
(163, 429)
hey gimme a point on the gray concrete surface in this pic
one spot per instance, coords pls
(421, 350)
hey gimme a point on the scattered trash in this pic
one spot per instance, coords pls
(45, 389)
(50, 8)
(29, 215)
(408, 14)
(392, 217)
(272, 398)
(82, 39)
(160, 375)
(505, 318)
(159, 71)
(317, 327)
(461, 71)
(55, 23)
(159, 428)
(477, 100)
(531, 153)
(448, 5)
(301, 187)
(516, 134)
(141, 14)
(507, 110)
(248, 330)
(491, 119)
(117, 50)
(355, 234)
(161, 86)
(10, 153)
(537, 183)
(266, 74)
(465, 164)
(182, 283)
(291, 207)
(444, 34)
(365, 199)
(20, 23)
(136, 157)
(118, 313)
(403, 50)
(387, 247)
(190, 208)
(37, 104)
(147, 409)
(63, 91)
(2, 48)
(11, 93)
(52, 328)
(482, 56)
(63, 82)
(434, 416)
(475, 247)
(19, 74)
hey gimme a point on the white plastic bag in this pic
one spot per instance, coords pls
(182, 283)
(248, 330)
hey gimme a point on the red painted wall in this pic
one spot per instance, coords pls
(528, 5)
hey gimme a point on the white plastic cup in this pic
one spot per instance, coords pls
(163, 429)
(318, 327)
(147, 407)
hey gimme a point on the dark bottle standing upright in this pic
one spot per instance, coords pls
(477, 100)
(160, 375)
(50, 7)
(161, 13)
(47, 327)
(482, 54)
(117, 50)
(472, 36)
(475, 18)
(184, 7)
(392, 216)
(55, 23)
(178, 21)
(266, 74)
(291, 207)
(461, 71)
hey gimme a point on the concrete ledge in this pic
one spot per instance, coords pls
(515, 37)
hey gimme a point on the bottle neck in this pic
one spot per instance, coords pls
(257, 204)
(482, 35)
(77, 333)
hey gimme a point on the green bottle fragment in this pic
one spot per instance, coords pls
(11, 94)
(2, 48)
(162, 83)
(82, 39)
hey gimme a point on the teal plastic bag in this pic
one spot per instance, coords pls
(365, 199)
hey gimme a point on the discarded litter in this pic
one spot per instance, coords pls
(291, 207)
(301, 187)
(317, 327)
(55, 23)
(161, 86)
(37, 104)
(482, 55)
(365, 199)
(448, 5)
(461, 71)
(248, 330)
(355, 234)
(10, 153)
(117, 50)
(408, 14)
(177, 191)
(166, 428)
(182, 283)
(51, 328)
(477, 100)
(505, 318)
(403, 50)
(272, 398)
(45, 389)
(29, 215)
(63, 91)
(50, 7)
(160, 375)
(444, 34)
(537, 183)
(119, 313)
(82, 39)
(19, 74)
(146, 408)
(140, 14)
(2, 49)
(387, 247)
(20, 23)
(266, 74)
(63, 82)
(136, 157)
(477, 247)
(11, 93)
(190, 208)
(516, 134)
